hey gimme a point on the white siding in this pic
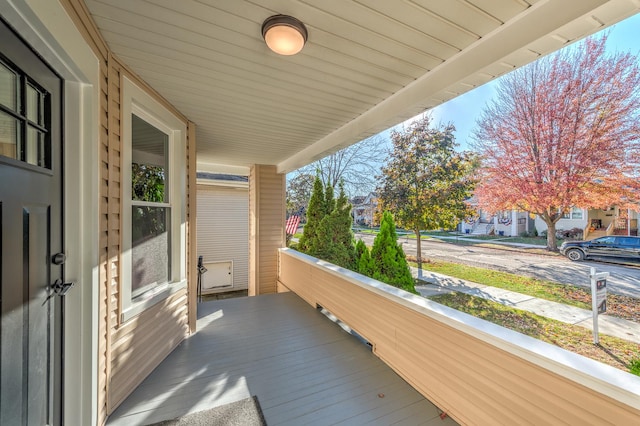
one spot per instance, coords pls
(564, 224)
(223, 230)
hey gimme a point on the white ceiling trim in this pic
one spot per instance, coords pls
(540, 20)
(368, 64)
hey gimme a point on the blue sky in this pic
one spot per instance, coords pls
(463, 110)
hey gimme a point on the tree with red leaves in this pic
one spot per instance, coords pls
(563, 132)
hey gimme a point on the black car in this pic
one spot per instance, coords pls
(611, 246)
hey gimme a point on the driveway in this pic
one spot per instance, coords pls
(622, 280)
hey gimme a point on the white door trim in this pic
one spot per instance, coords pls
(45, 25)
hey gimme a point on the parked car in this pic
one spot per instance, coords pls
(611, 246)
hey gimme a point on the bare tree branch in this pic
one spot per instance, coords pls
(357, 166)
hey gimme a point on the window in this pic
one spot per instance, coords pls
(605, 240)
(575, 213)
(150, 207)
(629, 241)
(24, 121)
(154, 202)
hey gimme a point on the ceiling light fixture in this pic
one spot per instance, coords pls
(284, 34)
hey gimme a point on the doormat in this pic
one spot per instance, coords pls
(246, 412)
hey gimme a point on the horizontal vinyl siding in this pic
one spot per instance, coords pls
(140, 345)
(253, 232)
(107, 262)
(477, 373)
(136, 347)
(266, 227)
(223, 229)
(271, 228)
(126, 352)
(192, 267)
(114, 209)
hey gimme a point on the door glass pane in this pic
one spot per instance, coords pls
(36, 149)
(150, 248)
(8, 88)
(149, 162)
(34, 105)
(9, 136)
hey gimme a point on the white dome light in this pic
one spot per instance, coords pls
(284, 35)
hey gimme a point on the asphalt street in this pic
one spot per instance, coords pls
(622, 279)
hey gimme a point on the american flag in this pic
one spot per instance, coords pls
(292, 224)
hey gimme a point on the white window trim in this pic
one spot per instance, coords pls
(137, 101)
(576, 210)
(569, 215)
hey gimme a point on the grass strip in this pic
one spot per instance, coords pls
(613, 351)
(562, 293)
(618, 306)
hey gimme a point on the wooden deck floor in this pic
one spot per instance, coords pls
(303, 368)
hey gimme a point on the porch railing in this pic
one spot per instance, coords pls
(621, 226)
(476, 371)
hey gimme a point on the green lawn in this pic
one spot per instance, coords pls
(481, 239)
(465, 239)
(525, 285)
(539, 241)
(613, 351)
(619, 306)
(368, 231)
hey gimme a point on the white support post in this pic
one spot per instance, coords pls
(598, 299)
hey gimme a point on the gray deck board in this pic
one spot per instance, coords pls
(303, 368)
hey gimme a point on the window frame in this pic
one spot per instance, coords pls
(573, 212)
(136, 101)
(24, 157)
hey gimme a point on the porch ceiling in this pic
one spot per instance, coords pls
(367, 65)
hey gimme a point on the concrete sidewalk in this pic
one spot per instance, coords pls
(442, 284)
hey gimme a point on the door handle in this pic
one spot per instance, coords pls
(61, 288)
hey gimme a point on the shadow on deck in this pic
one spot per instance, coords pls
(303, 368)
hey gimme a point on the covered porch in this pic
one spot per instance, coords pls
(405, 365)
(200, 72)
(302, 367)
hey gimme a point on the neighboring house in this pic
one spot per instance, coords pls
(510, 223)
(223, 231)
(596, 222)
(357, 210)
(364, 208)
(102, 106)
(590, 223)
